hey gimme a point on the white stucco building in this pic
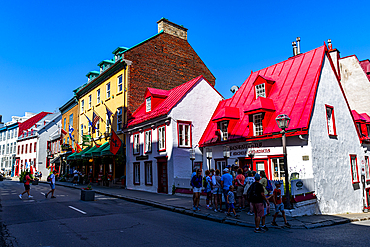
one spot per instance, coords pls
(323, 145)
(162, 132)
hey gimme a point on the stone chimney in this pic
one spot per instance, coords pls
(335, 55)
(172, 28)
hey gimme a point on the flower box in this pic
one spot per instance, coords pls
(87, 195)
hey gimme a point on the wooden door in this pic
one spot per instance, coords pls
(162, 177)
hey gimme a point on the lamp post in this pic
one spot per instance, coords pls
(251, 155)
(209, 156)
(192, 157)
(226, 153)
(283, 121)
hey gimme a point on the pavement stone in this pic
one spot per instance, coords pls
(183, 204)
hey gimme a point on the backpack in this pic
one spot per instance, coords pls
(251, 194)
(269, 187)
(48, 178)
(205, 183)
(24, 180)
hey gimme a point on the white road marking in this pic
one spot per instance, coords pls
(82, 212)
(42, 193)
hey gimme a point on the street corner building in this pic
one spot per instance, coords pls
(102, 107)
(164, 132)
(324, 153)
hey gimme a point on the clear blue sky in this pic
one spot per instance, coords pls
(47, 47)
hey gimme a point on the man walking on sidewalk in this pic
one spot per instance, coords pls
(256, 195)
(27, 187)
(52, 185)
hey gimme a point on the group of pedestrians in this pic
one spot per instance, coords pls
(27, 185)
(251, 189)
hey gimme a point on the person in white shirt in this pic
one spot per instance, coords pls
(75, 177)
(52, 185)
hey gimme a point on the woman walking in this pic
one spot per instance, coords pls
(27, 187)
(196, 183)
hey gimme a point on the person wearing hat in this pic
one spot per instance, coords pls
(257, 198)
(279, 206)
(226, 182)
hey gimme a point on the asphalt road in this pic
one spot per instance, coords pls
(67, 221)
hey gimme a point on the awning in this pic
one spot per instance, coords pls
(78, 156)
(88, 153)
(106, 151)
(97, 152)
(72, 156)
(55, 160)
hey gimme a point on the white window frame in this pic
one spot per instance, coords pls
(184, 134)
(108, 90)
(148, 104)
(223, 127)
(98, 96)
(354, 169)
(148, 141)
(119, 119)
(257, 124)
(119, 84)
(90, 101)
(162, 138)
(82, 105)
(136, 143)
(330, 120)
(260, 90)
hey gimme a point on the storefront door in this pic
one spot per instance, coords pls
(260, 165)
(162, 177)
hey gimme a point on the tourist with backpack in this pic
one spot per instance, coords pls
(249, 180)
(217, 190)
(51, 179)
(26, 181)
(256, 196)
(196, 183)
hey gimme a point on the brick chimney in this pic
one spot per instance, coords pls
(172, 28)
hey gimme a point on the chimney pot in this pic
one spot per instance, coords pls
(294, 48)
(298, 39)
(330, 46)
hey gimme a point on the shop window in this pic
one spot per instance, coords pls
(223, 126)
(108, 90)
(184, 134)
(148, 141)
(358, 125)
(148, 104)
(148, 173)
(18, 150)
(82, 105)
(119, 119)
(367, 168)
(136, 143)
(277, 165)
(30, 147)
(137, 173)
(119, 83)
(162, 138)
(260, 90)
(7, 148)
(220, 165)
(98, 96)
(330, 120)
(257, 125)
(25, 150)
(354, 169)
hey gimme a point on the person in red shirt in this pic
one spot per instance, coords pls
(239, 183)
(279, 206)
(27, 187)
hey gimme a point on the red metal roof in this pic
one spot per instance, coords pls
(366, 117)
(293, 93)
(357, 117)
(365, 65)
(31, 121)
(163, 107)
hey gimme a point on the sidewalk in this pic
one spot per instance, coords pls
(180, 203)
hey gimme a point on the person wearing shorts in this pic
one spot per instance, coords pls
(258, 204)
(279, 206)
(196, 183)
(27, 186)
(52, 185)
(217, 198)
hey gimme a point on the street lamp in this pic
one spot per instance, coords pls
(283, 121)
(226, 153)
(209, 156)
(192, 157)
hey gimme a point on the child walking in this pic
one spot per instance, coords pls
(279, 206)
(230, 201)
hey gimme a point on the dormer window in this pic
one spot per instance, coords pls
(222, 126)
(148, 104)
(260, 90)
(257, 124)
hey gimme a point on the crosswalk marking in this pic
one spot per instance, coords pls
(82, 212)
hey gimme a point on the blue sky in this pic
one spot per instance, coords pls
(47, 47)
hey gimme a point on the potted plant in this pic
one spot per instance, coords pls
(87, 194)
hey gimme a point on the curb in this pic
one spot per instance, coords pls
(210, 217)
